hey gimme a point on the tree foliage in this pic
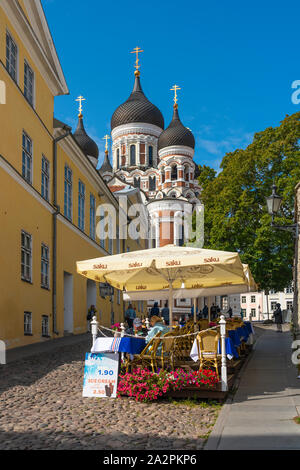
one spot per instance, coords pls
(236, 217)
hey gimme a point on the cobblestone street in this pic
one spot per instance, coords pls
(41, 407)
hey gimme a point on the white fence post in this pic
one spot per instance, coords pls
(94, 329)
(122, 336)
(223, 354)
(2, 352)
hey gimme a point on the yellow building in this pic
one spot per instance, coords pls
(50, 191)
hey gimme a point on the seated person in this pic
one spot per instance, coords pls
(157, 326)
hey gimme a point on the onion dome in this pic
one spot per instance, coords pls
(137, 109)
(106, 166)
(88, 146)
(176, 134)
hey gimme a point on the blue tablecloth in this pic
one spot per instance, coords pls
(240, 334)
(230, 348)
(132, 345)
(235, 338)
(249, 327)
(123, 345)
(243, 332)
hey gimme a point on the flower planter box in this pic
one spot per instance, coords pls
(203, 392)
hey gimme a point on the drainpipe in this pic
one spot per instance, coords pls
(54, 219)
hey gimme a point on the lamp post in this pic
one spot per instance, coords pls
(273, 204)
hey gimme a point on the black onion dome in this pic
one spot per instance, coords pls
(106, 166)
(176, 134)
(89, 147)
(137, 109)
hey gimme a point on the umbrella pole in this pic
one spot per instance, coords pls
(171, 304)
(195, 309)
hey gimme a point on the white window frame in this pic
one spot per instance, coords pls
(27, 323)
(243, 300)
(253, 312)
(81, 205)
(92, 216)
(68, 195)
(45, 178)
(27, 156)
(26, 94)
(118, 240)
(8, 68)
(45, 263)
(253, 297)
(27, 253)
(273, 304)
(101, 226)
(45, 326)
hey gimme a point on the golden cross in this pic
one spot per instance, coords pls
(175, 88)
(106, 138)
(137, 51)
(80, 99)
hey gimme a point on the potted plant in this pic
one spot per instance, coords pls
(117, 329)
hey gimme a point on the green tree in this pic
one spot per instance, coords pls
(206, 175)
(236, 218)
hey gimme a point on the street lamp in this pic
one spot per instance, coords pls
(273, 205)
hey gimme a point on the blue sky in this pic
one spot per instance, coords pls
(235, 62)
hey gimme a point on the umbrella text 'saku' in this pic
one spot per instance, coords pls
(170, 269)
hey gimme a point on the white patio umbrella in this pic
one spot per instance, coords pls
(183, 293)
(167, 269)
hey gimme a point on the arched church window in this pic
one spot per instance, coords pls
(163, 176)
(118, 159)
(152, 183)
(132, 155)
(137, 182)
(174, 173)
(150, 156)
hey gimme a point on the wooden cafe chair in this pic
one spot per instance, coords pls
(207, 344)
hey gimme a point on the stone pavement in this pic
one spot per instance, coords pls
(41, 407)
(261, 414)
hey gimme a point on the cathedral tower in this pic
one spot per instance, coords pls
(136, 126)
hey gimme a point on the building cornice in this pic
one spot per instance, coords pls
(81, 234)
(11, 171)
(176, 150)
(136, 129)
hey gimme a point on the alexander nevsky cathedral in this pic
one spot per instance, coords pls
(156, 160)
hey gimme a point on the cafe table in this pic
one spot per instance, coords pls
(128, 345)
(231, 351)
